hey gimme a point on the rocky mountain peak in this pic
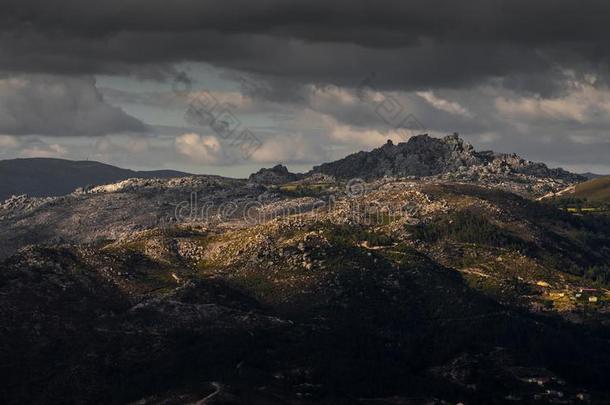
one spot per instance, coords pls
(424, 156)
(421, 155)
(278, 174)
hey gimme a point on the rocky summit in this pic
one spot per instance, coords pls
(424, 156)
(417, 273)
(278, 174)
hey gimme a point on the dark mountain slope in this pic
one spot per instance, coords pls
(118, 322)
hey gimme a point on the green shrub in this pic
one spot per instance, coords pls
(600, 274)
(466, 227)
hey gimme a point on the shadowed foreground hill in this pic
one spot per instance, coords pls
(177, 317)
(40, 177)
(461, 294)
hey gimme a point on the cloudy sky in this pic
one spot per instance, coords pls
(230, 86)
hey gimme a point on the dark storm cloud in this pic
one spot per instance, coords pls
(411, 45)
(59, 106)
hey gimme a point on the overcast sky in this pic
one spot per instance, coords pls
(301, 82)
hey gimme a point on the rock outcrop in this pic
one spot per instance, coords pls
(424, 156)
(278, 174)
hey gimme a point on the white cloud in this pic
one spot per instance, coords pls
(333, 94)
(293, 149)
(200, 148)
(583, 103)
(8, 142)
(532, 108)
(444, 105)
(46, 151)
(112, 144)
(365, 138)
(230, 99)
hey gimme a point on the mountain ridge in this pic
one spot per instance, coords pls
(450, 158)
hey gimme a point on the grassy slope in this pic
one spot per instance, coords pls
(594, 190)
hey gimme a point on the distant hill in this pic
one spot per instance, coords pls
(42, 177)
(593, 190)
(591, 176)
